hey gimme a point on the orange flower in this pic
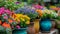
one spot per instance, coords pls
(39, 12)
(10, 21)
(0, 22)
(6, 25)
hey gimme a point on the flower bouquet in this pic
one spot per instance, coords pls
(21, 27)
(51, 14)
(5, 21)
(28, 11)
(48, 18)
(40, 12)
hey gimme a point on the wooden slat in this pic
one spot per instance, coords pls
(59, 12)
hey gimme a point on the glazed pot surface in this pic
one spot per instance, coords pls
(45, 25)
(20, 31)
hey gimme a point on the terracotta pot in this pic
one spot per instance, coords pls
(36, 25)
(31, 29)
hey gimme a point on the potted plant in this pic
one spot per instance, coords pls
(6, 21)
(27, 11)
(21, 27)
(46, 18)
(5, 27)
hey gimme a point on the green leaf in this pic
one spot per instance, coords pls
(14, 24)
(8, 31)
(2, 29)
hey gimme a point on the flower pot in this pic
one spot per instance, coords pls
(45, 25)
(19, 31)
(36, 25)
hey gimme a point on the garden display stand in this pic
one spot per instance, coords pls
(55, 31)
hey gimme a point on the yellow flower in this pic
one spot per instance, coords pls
(22, 19)
(52, 6)
(28, 22)
(26, 17)
(46, 11)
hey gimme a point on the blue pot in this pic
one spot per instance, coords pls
(45, 25)
(20, 31)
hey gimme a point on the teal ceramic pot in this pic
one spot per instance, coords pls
(45, 25)
(20, 31)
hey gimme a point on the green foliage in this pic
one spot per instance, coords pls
(33, 1)
(22, 23)
(8, 31)
(57, 22)
(12, 5)
(58, 5)
(2, 3)
(14, 24)
(49, 14)
(2, 29)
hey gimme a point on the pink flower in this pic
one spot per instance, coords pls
(8, 11)
(1, 10)
(38, 6)
(5, 17)
(18, 27)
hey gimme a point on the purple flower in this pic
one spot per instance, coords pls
(17, 2)
(27, 11)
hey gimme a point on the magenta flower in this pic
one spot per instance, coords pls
(37, 6)
(18, 27)
(17, 2)
(1, 10)
(8, 11)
